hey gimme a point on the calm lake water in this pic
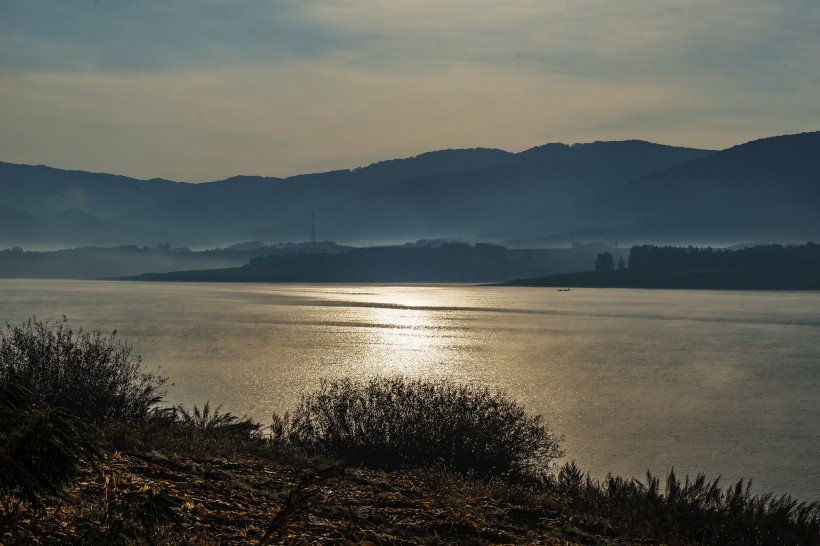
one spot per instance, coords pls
(721, 382)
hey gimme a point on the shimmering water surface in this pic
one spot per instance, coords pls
(721, 382)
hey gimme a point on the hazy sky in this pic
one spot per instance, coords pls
(202, 89)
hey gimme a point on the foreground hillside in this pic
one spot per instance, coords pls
(242, 498)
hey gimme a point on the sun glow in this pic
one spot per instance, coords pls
(405, 334)
(405, 340)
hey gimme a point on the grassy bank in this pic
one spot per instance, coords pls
(390, 461)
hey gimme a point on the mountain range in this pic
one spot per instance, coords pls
(633, 192)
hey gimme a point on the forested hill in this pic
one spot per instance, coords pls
(633, 192)
(763, 267)
(760, 258)
(422, 264)
(443, 194)
(766, 190)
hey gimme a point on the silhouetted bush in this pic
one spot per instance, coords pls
(97, 377)
(390, 423)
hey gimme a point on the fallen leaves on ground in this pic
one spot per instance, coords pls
(251, 500)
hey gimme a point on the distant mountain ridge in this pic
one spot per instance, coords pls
(631, 191)
(766, 190)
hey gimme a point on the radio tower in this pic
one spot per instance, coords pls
(313, 226)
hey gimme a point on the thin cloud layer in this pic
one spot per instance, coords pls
(152, 35)
(201, 89)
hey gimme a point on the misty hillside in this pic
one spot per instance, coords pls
(67, 228)
(92, 262)
(631, 192)
(448, 193)
(766, 190)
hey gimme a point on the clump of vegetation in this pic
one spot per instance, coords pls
(395, 422)
(133, 520)
(213, 424)
(697, 509)
(52, 381)
(41, 450)
(206, 432)
(97, 377)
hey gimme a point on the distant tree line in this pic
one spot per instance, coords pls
(763, 258)
(606, 262)
(447, 263)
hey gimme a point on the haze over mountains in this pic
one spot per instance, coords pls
(630, 191)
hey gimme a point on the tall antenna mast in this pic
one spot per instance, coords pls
(313, 226)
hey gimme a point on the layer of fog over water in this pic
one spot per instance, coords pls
(720, 382)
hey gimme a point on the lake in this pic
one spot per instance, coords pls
(724, 382)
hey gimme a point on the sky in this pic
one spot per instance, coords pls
(200, 90)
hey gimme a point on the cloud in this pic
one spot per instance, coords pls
(155, 35)
(201, 89)
(747, 39)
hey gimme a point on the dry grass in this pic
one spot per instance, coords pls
(236, 501)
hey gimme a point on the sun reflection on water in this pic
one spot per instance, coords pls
(405, 335)
(408, 330)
